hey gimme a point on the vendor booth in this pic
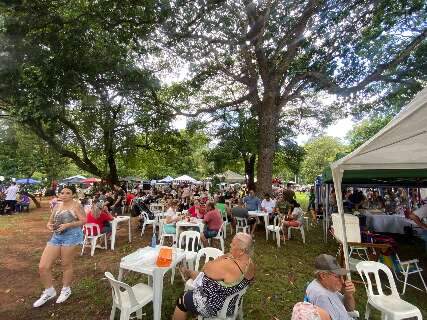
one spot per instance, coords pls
(398, 151)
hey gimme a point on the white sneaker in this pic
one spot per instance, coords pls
(46, 296)
(65, 293)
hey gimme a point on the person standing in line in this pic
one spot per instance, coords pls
(65, 222)
(11, 196)
(119, 196)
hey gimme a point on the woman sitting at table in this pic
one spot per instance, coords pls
(171, 217)
(294, 219)
(196, 210)
(100, 216)
(213, 222)
(220, 278)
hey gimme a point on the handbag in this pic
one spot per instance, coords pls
(164, 259)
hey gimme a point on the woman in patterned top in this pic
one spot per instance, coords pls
(220, 279)
(65, 222)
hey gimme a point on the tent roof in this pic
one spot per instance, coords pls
(383, 177)
(184, 178)
(27, 181)
(399, 145)
(231, 176)
(166, 179)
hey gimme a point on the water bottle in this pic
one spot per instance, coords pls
(153, 240)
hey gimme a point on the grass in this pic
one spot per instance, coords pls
(282, 274)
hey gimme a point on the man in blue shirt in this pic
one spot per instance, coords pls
(252, 202)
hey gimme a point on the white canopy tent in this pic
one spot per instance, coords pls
(184, 179)
(167, 179)
(231, 177)
(402, 144)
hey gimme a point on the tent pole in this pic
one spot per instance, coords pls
(326, 214)
(337, 174)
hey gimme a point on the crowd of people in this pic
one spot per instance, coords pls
(13, 200)
(328, 296)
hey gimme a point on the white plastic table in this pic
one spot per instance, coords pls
(144, 261)
(261, 214)
(114, 224)
(193, 223)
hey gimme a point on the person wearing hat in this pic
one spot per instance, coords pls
(329, 290)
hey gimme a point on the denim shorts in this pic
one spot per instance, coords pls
(69, 237)
(210, 233)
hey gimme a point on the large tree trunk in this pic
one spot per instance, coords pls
(250, 171)
(268, 123)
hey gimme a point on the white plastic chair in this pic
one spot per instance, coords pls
(132, 299)
(300, 228)
(275, 229)
(392, 307)
(147, 221)
(220, 236)
(164, 235)
(210, 254)
(403, 269)
(238, 308)
(189, 240)
(91, 234)
(242, 223)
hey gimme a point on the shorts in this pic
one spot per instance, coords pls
(186, 303)
(292, 223)
(210, 233)
(69, 237)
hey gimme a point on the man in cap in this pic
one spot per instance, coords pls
(329, 290)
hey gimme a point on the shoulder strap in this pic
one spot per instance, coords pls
(234, 260)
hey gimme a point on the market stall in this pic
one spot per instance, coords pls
(401, 145)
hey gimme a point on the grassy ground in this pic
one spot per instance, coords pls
(282, 274)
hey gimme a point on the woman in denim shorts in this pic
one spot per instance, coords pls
(65, 221)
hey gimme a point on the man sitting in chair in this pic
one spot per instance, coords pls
(329, 290)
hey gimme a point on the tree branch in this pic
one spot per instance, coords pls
(327, 83)
(213, 108)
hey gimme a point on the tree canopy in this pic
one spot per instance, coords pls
(280, 57)
(319, 153)
(73, 74)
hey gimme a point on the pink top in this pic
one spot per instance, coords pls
(213, 219)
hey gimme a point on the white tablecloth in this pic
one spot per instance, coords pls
(261, 214)
(144, 261)
(387, 223)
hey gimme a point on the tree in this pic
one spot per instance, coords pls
(73, 73)
(365, 130)
(279, 57)
(319, 153)
(23, 154)
(238, 141)
(288, 160)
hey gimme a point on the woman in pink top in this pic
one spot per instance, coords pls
(100, 216)
(213, 222)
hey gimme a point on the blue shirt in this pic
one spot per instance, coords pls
(252, 203)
